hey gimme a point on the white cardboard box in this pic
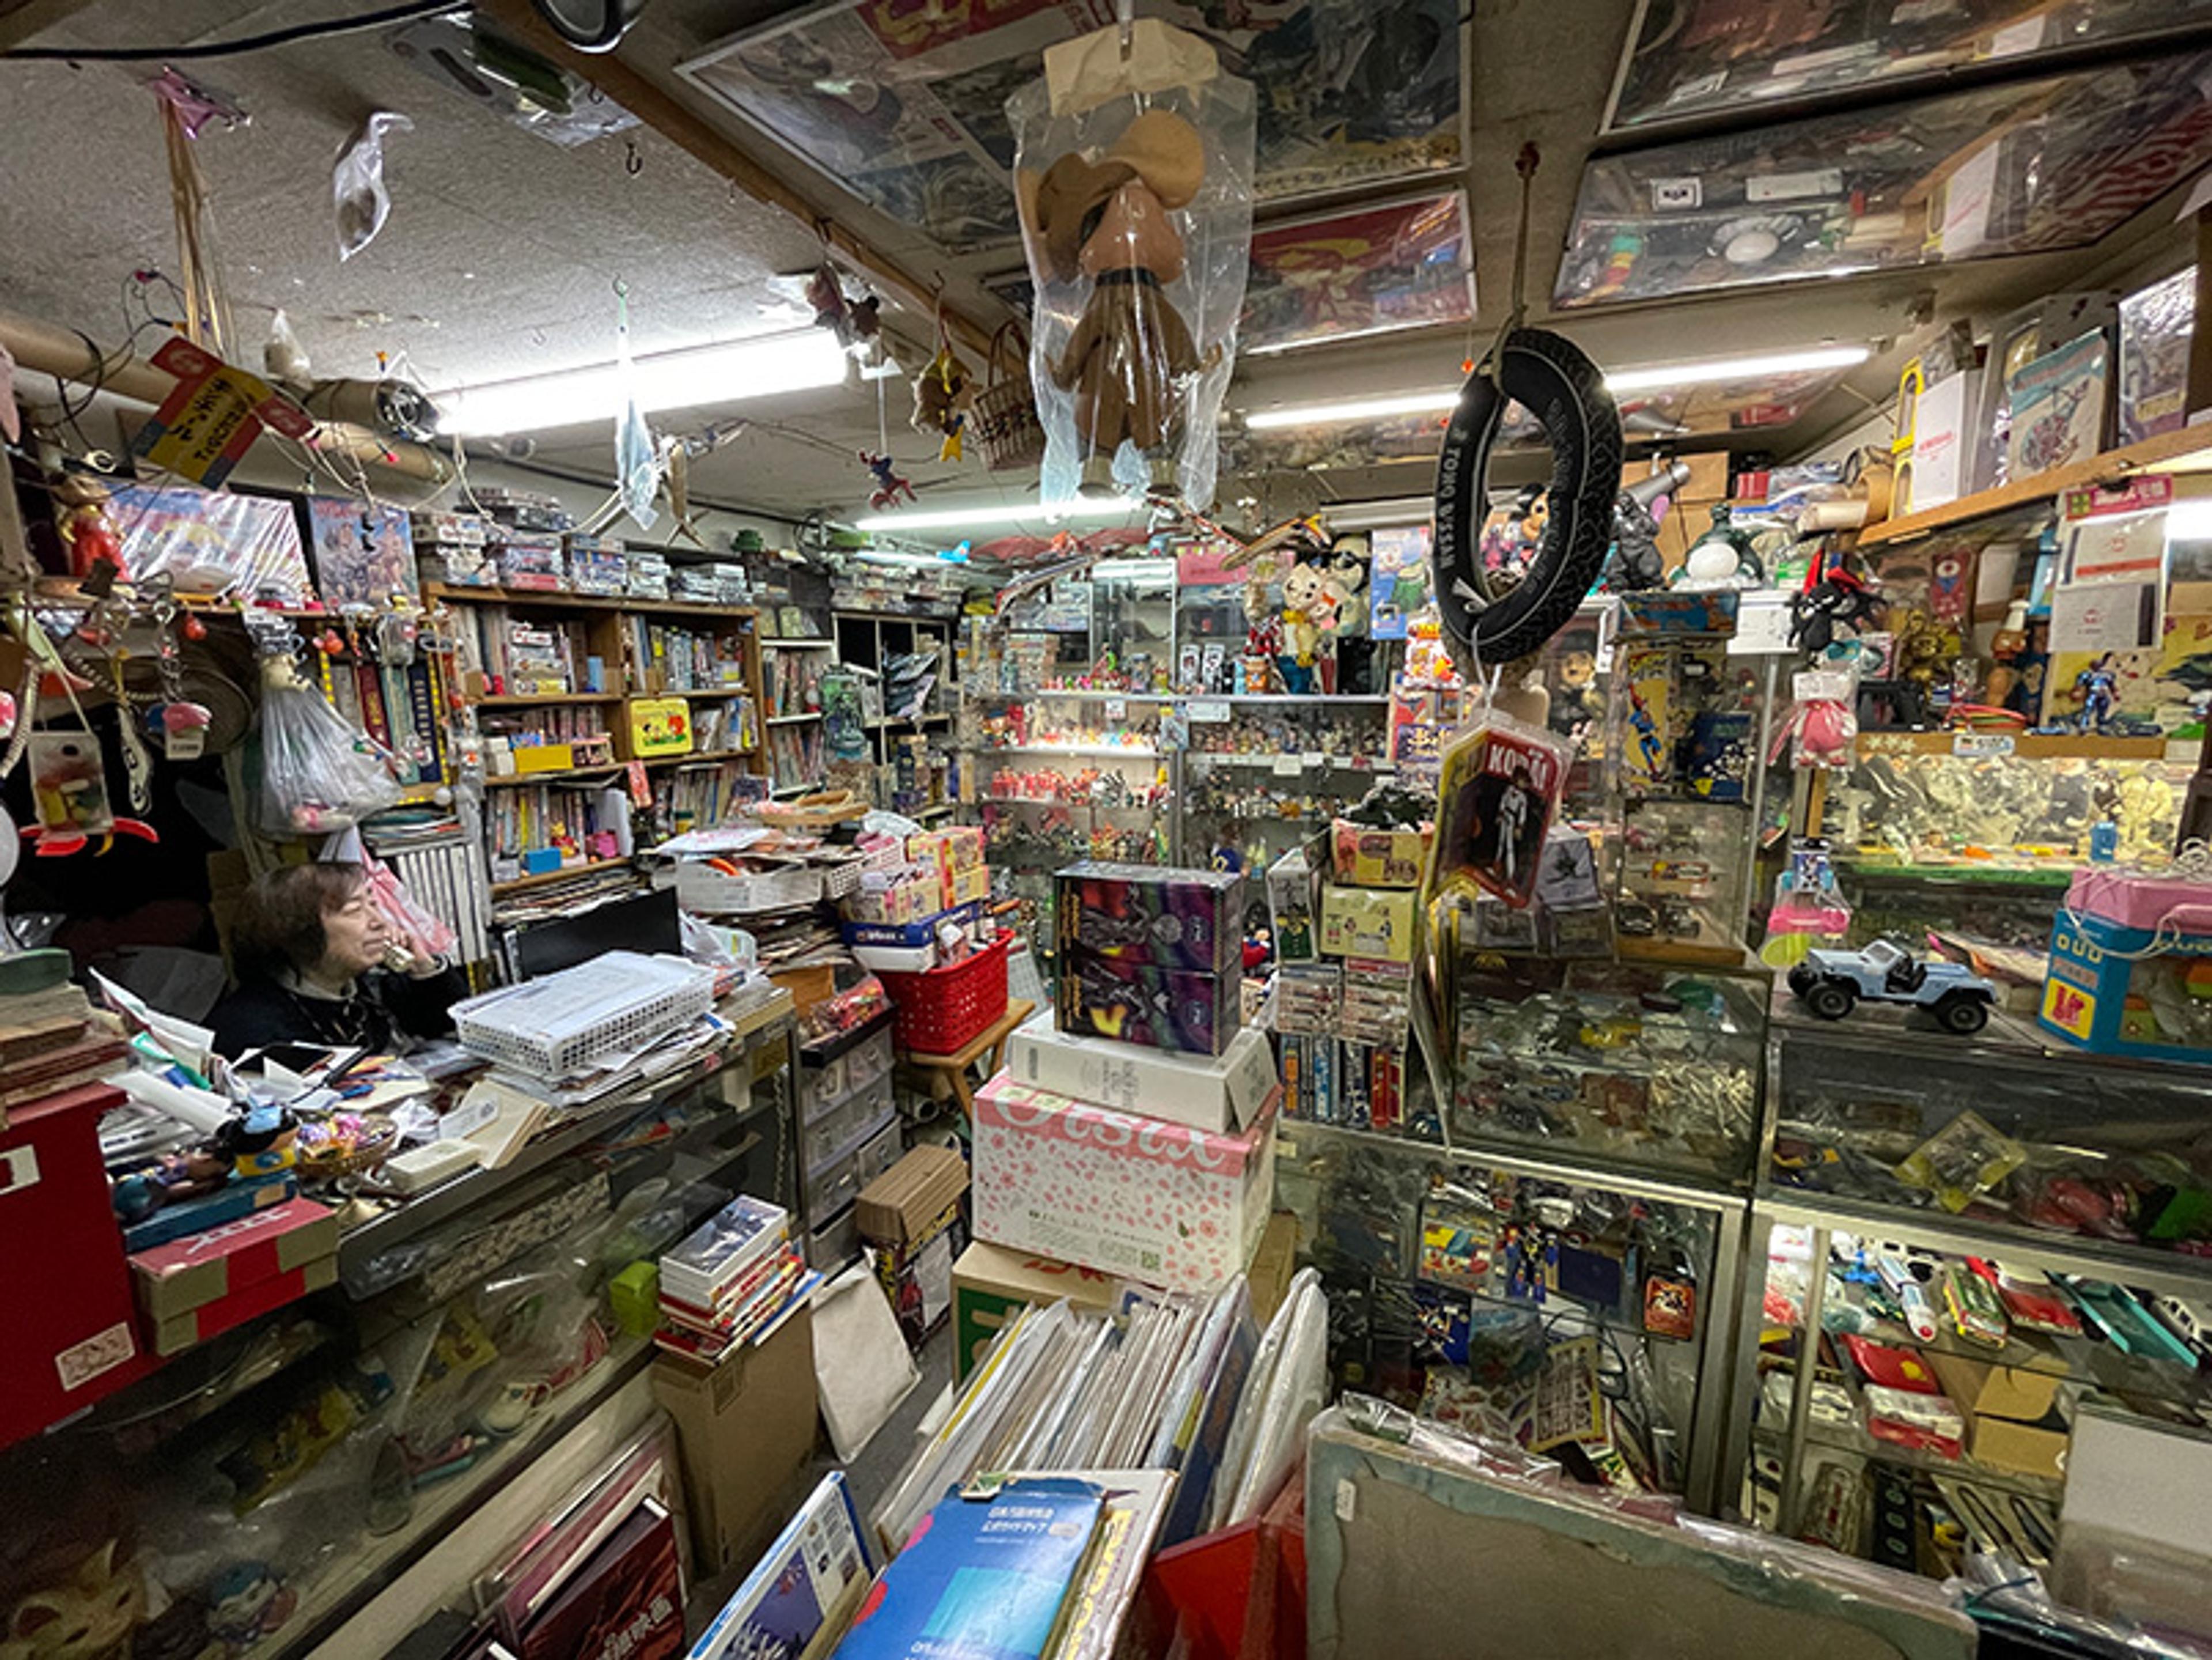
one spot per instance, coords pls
(1211, 1093)
(1161, 1203)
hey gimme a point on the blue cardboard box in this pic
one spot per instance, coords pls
(2106, 991)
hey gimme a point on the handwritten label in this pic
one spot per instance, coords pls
(1314, 758)
(1288, 766)
(1208, 711)
(1117, 709)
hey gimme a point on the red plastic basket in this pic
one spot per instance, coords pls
(941, 1011)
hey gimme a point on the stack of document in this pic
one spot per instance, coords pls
(733, 1281)
(1068, 1390)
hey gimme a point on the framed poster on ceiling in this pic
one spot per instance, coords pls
(902, 102)
(1365, 271)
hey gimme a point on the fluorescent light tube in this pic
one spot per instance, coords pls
(1622, 381)
(1735, 369)
(803, 360)
(1020, 512)
(1359, 409)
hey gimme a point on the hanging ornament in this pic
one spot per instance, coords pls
(945, 395)
(889, 486)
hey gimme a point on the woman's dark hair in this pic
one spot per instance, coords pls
(279, 924)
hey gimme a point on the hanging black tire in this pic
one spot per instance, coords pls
(1548, 376)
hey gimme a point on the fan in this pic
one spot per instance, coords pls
(590, 25)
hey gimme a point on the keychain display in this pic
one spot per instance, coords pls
(1132, 171)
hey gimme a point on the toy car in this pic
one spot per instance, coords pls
(1831, 983)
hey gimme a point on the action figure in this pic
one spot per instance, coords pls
(889, 486)
(2098, 686)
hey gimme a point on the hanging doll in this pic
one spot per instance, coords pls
(890, 484)
(944, 399)
(1109, 221)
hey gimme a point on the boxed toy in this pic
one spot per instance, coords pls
(597, 564)
(1308, 997)
(1377, 923)
(1172, 1207)
(1365, 857)
(188, 1273)
(1372, 1085)
(531, 562)
(1214, 1093)
(1294, 903)
(1142, 913)
(1161, 1008)
(648, 575)
(916, 1275)
(2114, 989)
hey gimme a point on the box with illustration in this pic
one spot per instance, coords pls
(1158, 1202)
(1192, 920)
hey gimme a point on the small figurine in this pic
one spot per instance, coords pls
(85, 529)
(889, 485)
(2098, 686)
(1838, 598)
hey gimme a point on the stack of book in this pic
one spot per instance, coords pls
(732, 1281)
(50, 1042)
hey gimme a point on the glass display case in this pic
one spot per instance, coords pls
(1574, 1315)
(1636, 1066)
(1707, 57)
(2038, 165)
(1275, 770)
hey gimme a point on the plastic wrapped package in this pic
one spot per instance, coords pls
(357, 188)
(211, 542)
(1133, 173)
(424, 930)
(317, 773)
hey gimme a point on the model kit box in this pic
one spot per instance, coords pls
(1158, 1202)
(1365, 857)
(2112, 989)
(205, 1268)
(530, 562)
(917, 1276)
(1186, 1011)
(1213, 1093)
(1377, 923)
(1161, 918)
(992, 1283)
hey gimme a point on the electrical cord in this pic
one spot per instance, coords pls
(285, 37)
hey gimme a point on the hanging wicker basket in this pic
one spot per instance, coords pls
(1005, 423)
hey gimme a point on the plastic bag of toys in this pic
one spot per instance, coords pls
(317, 774)
(1134, 171)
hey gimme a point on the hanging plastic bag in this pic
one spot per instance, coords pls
(1132, 168)
(357, 183)
(637, 461)
(317, 774)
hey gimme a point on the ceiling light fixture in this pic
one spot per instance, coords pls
(728, 372)
(1020, 513)
(1620, 382)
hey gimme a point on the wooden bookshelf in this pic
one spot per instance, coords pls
(2188, 450)
(525, 701)
(524, 883)
(543, 599)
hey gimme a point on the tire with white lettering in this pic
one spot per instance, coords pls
(1547, 375)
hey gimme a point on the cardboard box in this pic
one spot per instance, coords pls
(1367, 858)
(1182, 1010)
(991, 1284)
(2037, 1449)
(2023, 1393)
(1294, 903)
(1214, 1093)
(744, 1428)
(1376, 922)
(204, 1267)
(174, 1333)
(903, 1206)
(1188, 919)
(2090, 996)
(1169, 1205)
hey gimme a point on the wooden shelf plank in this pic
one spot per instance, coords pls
(2188, 450)
(518, 702)
(522, 884)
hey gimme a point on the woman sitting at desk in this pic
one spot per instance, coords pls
(317, 962)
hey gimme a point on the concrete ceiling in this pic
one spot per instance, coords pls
(502, 249)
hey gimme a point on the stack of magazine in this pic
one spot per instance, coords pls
(1065, 1389)
(734, 1280)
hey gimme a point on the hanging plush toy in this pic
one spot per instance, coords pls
(855, 322)
(1107, 221)
(944, 398)
(889, 486)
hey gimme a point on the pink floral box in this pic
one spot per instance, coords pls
(1162, 1203)
(2149, 900)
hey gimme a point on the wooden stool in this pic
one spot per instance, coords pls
(948, 1074)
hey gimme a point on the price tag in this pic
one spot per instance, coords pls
(1314, 758)
(1289, 766)
(1982, 745)
(1117, 709)
(1208, 711)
